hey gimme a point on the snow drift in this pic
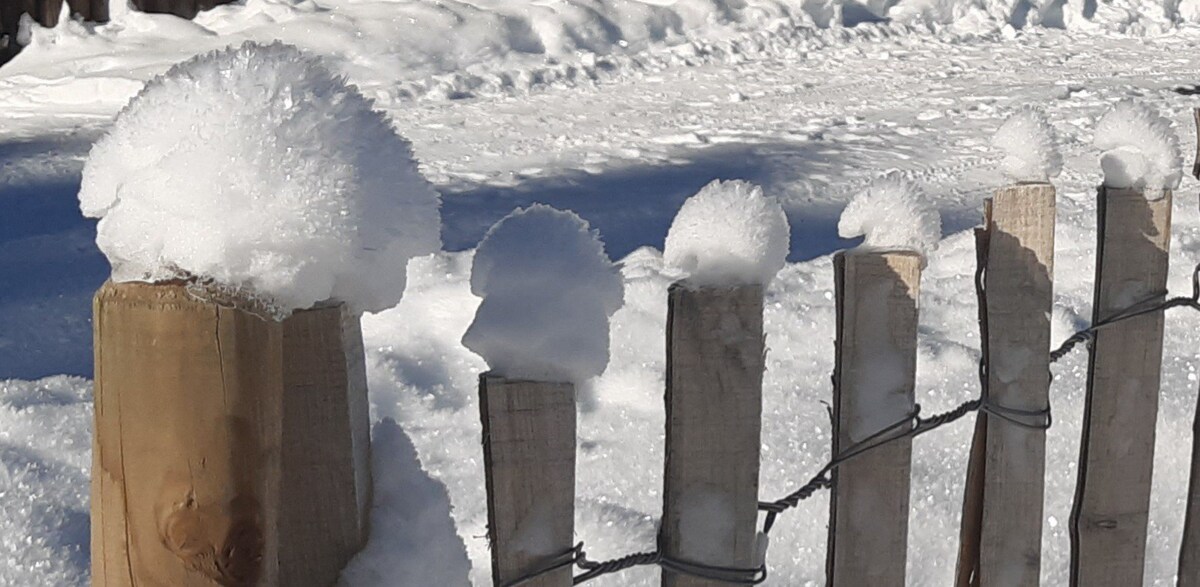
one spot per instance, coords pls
(451, 49)
(548, 292)
(257, 169)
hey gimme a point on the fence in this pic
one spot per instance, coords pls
(198, 499)
(714, 404)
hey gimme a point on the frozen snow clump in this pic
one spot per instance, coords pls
(256, 169)
(729, 233)
(1140, 149)
(893, 214)
(1029, 146)
(548, 291)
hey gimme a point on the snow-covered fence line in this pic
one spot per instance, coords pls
(707, 537)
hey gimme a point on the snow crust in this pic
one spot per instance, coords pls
(729, 233)
(892, 213)
(548, 291)
(1140, 149)
(1029, 146)
(257, 169)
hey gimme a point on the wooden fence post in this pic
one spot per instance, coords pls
(1006, 498)
(191, 483)
(1189, 551)
(1112, 498)
(875, 369)
(529, 460)
(714, 418)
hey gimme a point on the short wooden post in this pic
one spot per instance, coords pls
(529, 460)
(1018, 249)
(875, 369)
(191, 483)
(714, 418)
(1112, 499)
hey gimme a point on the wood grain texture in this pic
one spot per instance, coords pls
(876, 359)
(188, 429)
(529, 460)
(192, 484)
(325, 445)
(1112, 499)
(715, 366)
(1020, 297)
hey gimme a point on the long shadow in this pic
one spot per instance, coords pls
(633, 206)
(49, 264)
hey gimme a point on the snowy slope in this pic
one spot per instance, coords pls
(811, 121)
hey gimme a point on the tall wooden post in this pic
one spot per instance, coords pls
(192, 485)
(1006, 530)
(1112, 499)
(714, 418)
(876, 361)
(529, 460)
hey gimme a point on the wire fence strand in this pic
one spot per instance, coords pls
(911, 426)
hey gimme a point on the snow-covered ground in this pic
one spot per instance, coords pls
(621, 135)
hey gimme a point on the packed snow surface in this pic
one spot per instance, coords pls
(548, 291)
(892, 214)
(796, 110)
(729, 233)
(257, 169)
(1029, 146)
(1140, 149)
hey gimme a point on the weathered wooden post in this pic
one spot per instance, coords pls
(875, 370)
(1002, 521)
(1109, 518)
(1189, 551)
(229, 449)
(731, 241)
(529, 460)
(1112, 498)
(714, 421)
(548, 291)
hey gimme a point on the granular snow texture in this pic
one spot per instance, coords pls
(257, 169)
(727, 234)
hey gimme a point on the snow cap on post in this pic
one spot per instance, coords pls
(1029, 146)
(729, 233)
(893, 214)
(1140, 149)
(255, 169)
(548, 291)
